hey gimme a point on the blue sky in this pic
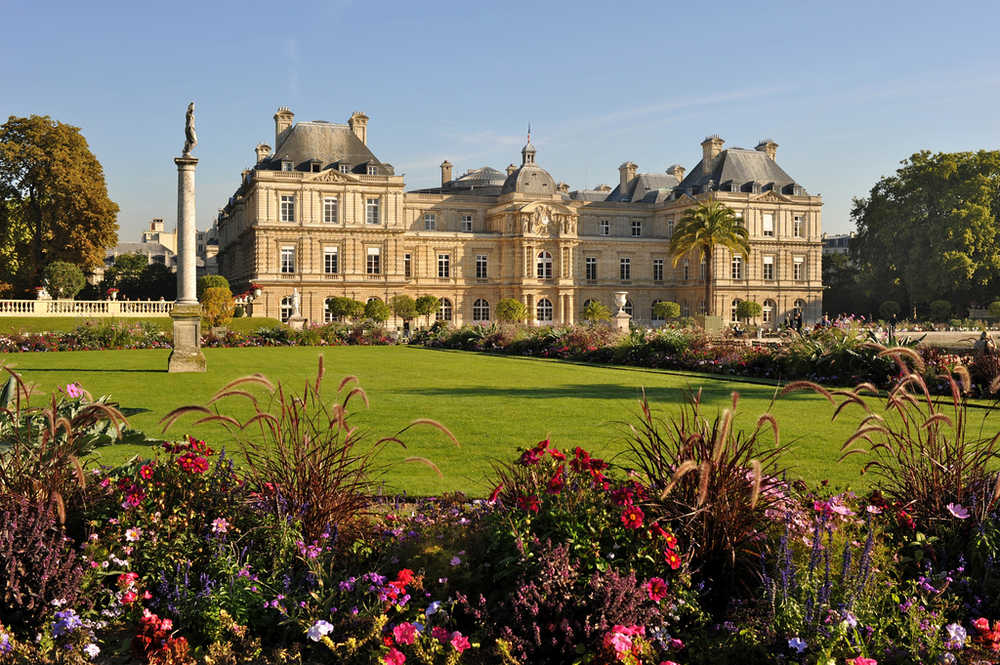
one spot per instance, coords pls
(847, 89)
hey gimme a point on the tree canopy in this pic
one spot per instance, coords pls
(510, 310)
(701, 229)
(594, 311)
(404, 307)
(930, 232)
(377, 311)
(54, 203)
(64, 279)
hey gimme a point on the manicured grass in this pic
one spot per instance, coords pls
(492, 404)
(36, 324)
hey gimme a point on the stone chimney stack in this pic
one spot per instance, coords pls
(282, 122)
(768, 146)
(511, 168)
(710, 149)
(445, 172)
(676, 171)
(626, 171)
(263, 151)
(359, 125)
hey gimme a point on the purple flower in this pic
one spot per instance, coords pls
(958, 511)
(798, 644)
(956, 636)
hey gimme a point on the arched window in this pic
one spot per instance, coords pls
(732, 311)
(373, 298)
(687, 266)
(543, 310)
(628, 306)
(287, 308)
(481, 310)
(769, 308)
(544, 265)
(327, 314)
(444, 310)
(800, 306)
(685, 308)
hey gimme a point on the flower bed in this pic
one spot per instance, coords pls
(690, 548)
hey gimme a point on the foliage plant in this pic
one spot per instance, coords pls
(206, 282)
(377, 311)
(665, 309)
(510, 310)
(217, 306)
(748, 309)
(64, 279)
(595, 312)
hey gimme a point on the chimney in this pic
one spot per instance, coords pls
(768, 146)
(282, 121)
(445, 172)
(263, 151)
(156, 224)
(359, 125)
(676, 171)
(710, 149)
(511, 168)
(627, 172)
(562, 188)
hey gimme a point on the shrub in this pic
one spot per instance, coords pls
(510, 310)
(940, 310)
(748, 309)
(666, 309)
(404, 307)
(64, 279)
(211, 281)
(889, 309)
(376, 310)
(595, 311)
(217, 306)
(342, 308)
(426, 305)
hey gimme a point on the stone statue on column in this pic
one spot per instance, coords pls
(190, 138)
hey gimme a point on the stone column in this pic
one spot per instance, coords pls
(187, 355)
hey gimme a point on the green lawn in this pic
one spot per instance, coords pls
(492, 404)
(35, 324)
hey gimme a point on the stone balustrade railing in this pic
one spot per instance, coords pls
(94, 308)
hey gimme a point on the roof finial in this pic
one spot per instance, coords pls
(529, 131)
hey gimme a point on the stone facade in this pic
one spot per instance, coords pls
(324, 216)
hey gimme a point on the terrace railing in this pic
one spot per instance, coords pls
(92, 308)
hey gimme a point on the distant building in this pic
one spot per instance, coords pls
(160, 246)
(837, 243)
(323, 215)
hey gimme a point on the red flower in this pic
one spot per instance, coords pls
(405, 576)
(528, 503)
(558, 455)
(440, 634)
(632, 517)
(673, 560)
(671, 540)
(981, 624)
(395, 657)
(459, 642)
(557, 482)
(542, 445)
(656, 587)
(531, 457)
(146, 471)
(496, 492)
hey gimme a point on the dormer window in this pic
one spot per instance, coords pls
(372, 170)
(286, 165)
(314, 165)
(344, 168)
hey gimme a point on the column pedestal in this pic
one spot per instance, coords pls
(622, 321)
(187, 355)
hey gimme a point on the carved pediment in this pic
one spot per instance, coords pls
(332, 177)
(771, 196)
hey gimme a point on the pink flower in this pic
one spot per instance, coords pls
(129, 597)
(459, 642)
(133, 534)
(395, 657)
(74, 390)
(405, 633)
(958, 511)
(620, 642)
(220, 525)
(656, 587)
(440, 634)
(861, 660)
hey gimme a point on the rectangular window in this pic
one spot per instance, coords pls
(605, 227)
(344, 168)
(670, 226)
(330, 210)
(407, 269)
(374, 266)
(288, 208)
(737, 267)
(330, 266)
(657, 270)
(686, 270)
(444, 265)
(591, 265)
(430, 221)
(768, 267)
(625, 268)
(797, 227)
(636, 228)
(467, 223)
(798, 268)
(372, 170)
(739, 218)
(286, 166)
(768, 224)
(371, 211)
(287, 259)
(481, 271)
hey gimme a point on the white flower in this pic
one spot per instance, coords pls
(91, 650)
(319, 630)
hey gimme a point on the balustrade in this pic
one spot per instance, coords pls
(94, 308)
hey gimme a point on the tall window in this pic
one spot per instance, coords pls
(732, 310)
(737, 267)
(657, 270)
(543, 310)
(287, 308)
(590, 264)
(430, 221)
(797, 226)
(330, 210)
(605, 227)
(407, 269)
(704, 273)
(374, 264)
(800, 306)
(636, 228)
(481, 310)
(652, 311)
(327, 314)
(768, 311)
(344, 168)
(287, 208)
(625, 268)
(444, 265)
(543, 265)
(739, 218)
(467, 223)
(768, 267)
(286, 166)
(798, 268)
(686, 270)
(444, 310)
(481, 267)
(330, 266)
(287, 259)
(371, 211)
(670, 226)
(768, 224)
(628, 306)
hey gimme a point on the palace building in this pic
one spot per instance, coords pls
(321, 214)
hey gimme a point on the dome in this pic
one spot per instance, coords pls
(530, 179)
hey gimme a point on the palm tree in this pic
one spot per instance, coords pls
(700, 229)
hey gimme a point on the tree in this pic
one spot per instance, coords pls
(376, 310)
(748, 309)
(889, 309)
(510, 310)
(54, 203)
(995, 309)
(64, 279)
(427, 305)
(595, 311)
(931, 231)
(125, 274)
(701, 229)
(940, 310)
(404, 307)
(666, 310)
(342, 308)
(847, 290)
(217, 306)
(208, 281)
(158, 281)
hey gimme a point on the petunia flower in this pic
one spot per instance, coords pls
(798, 644)
(958, 511)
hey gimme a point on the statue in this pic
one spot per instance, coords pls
(296, 303)
(190, 138)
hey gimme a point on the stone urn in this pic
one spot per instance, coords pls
(621, 297)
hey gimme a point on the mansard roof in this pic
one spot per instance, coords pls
(645, 188)
(737, 169)
(324, 142)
